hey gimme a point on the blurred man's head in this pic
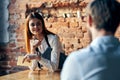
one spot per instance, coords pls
(104, 14)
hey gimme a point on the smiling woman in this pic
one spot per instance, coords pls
(43, 47)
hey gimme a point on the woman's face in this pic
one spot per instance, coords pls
(35, 26)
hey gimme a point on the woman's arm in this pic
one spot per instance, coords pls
(33, 56)
(55, 53)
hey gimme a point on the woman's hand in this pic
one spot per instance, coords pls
(29, 57)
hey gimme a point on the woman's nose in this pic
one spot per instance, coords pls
(35, 26)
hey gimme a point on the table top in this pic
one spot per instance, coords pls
(32, 75)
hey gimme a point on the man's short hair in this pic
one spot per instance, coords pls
(105, 14)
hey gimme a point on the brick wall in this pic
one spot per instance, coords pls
(66, 18)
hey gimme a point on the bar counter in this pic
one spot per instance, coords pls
(32, 75)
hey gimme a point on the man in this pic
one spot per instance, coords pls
(101, 59)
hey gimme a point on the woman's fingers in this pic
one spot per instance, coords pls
(23, 59)
(29, 57)
(26, 58)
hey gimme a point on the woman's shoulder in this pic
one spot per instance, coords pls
(52, 36)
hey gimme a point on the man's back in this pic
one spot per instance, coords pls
(99, 61)
(103, 61)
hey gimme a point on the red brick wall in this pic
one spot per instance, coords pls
(71, 30)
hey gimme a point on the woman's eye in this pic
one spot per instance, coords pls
(38, 24)
(32, 24)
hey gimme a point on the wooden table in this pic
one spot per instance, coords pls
(32, 75)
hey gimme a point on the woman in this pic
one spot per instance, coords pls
(44, 46)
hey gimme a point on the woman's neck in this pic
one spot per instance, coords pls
(39, 37)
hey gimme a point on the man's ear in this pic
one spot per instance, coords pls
(90, 21)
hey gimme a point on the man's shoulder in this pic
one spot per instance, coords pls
(80, 54)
